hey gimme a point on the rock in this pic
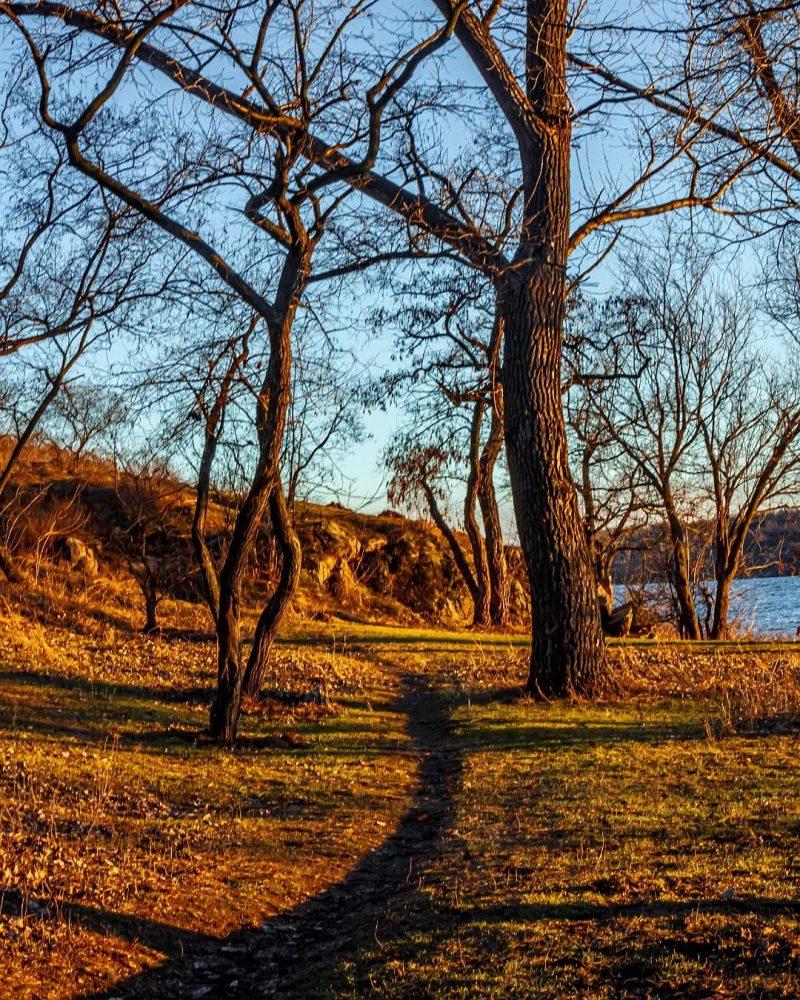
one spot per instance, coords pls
(325, 544)
(617, 623)
(80, 557)
(342, 584)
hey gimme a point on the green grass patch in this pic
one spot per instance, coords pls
(601, 851)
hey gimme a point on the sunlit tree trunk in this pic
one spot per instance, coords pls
(568, 650)
(271, 409)
(271, 617)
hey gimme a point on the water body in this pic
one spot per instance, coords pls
(768, 607)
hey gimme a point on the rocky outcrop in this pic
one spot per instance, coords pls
(360, 560)
(80, 556)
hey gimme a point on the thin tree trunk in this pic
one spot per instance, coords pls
(209, 576)
(461, 560)
(601, 561)
(479, 557)
(30, 427)
(215, 418)
(722, 599)
(150, 605)
(688, 623)
(271, 409)
(278, 604)
(487, 498)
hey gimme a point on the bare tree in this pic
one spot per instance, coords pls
(420, 472)
(149, 496)
(450, 347)
(83, 414)
(84, 278)
(330, 390)
(519, 54)
(751, 434)
(708, 422)
(288, 197)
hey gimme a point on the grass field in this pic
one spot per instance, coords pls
(397, 821)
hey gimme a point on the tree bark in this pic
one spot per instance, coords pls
(568, 649)
(461, 560)
(205, 562)
(568, 654)
(278, 604)
(150, 605)
(271, 409)
(215, 418)
(688, 623)
(722, 600)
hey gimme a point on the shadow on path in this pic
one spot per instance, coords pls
(308, 943)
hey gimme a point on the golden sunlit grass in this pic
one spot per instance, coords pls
(115, 824)
(639, 846)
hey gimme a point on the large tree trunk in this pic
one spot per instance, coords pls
(568, 653)
(278, 604)
(568, 650)
(487, 498)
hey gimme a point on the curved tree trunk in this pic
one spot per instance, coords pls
(215, 418)
(278, 604)
(479, 560)
(495, 549)
(205, 561)
(271, 409)
(455, 547)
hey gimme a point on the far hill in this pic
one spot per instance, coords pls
(772, 548)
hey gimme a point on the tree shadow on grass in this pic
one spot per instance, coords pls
(313, 939)
(107, 689)
(337, 940)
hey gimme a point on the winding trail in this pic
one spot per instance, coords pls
(310, 943)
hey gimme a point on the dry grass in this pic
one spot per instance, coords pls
(599, 850)
(123, 837)
(744, 687)
(747, 688)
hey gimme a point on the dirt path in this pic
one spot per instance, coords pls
(300, 951)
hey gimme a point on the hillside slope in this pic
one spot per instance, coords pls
(383, 568)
